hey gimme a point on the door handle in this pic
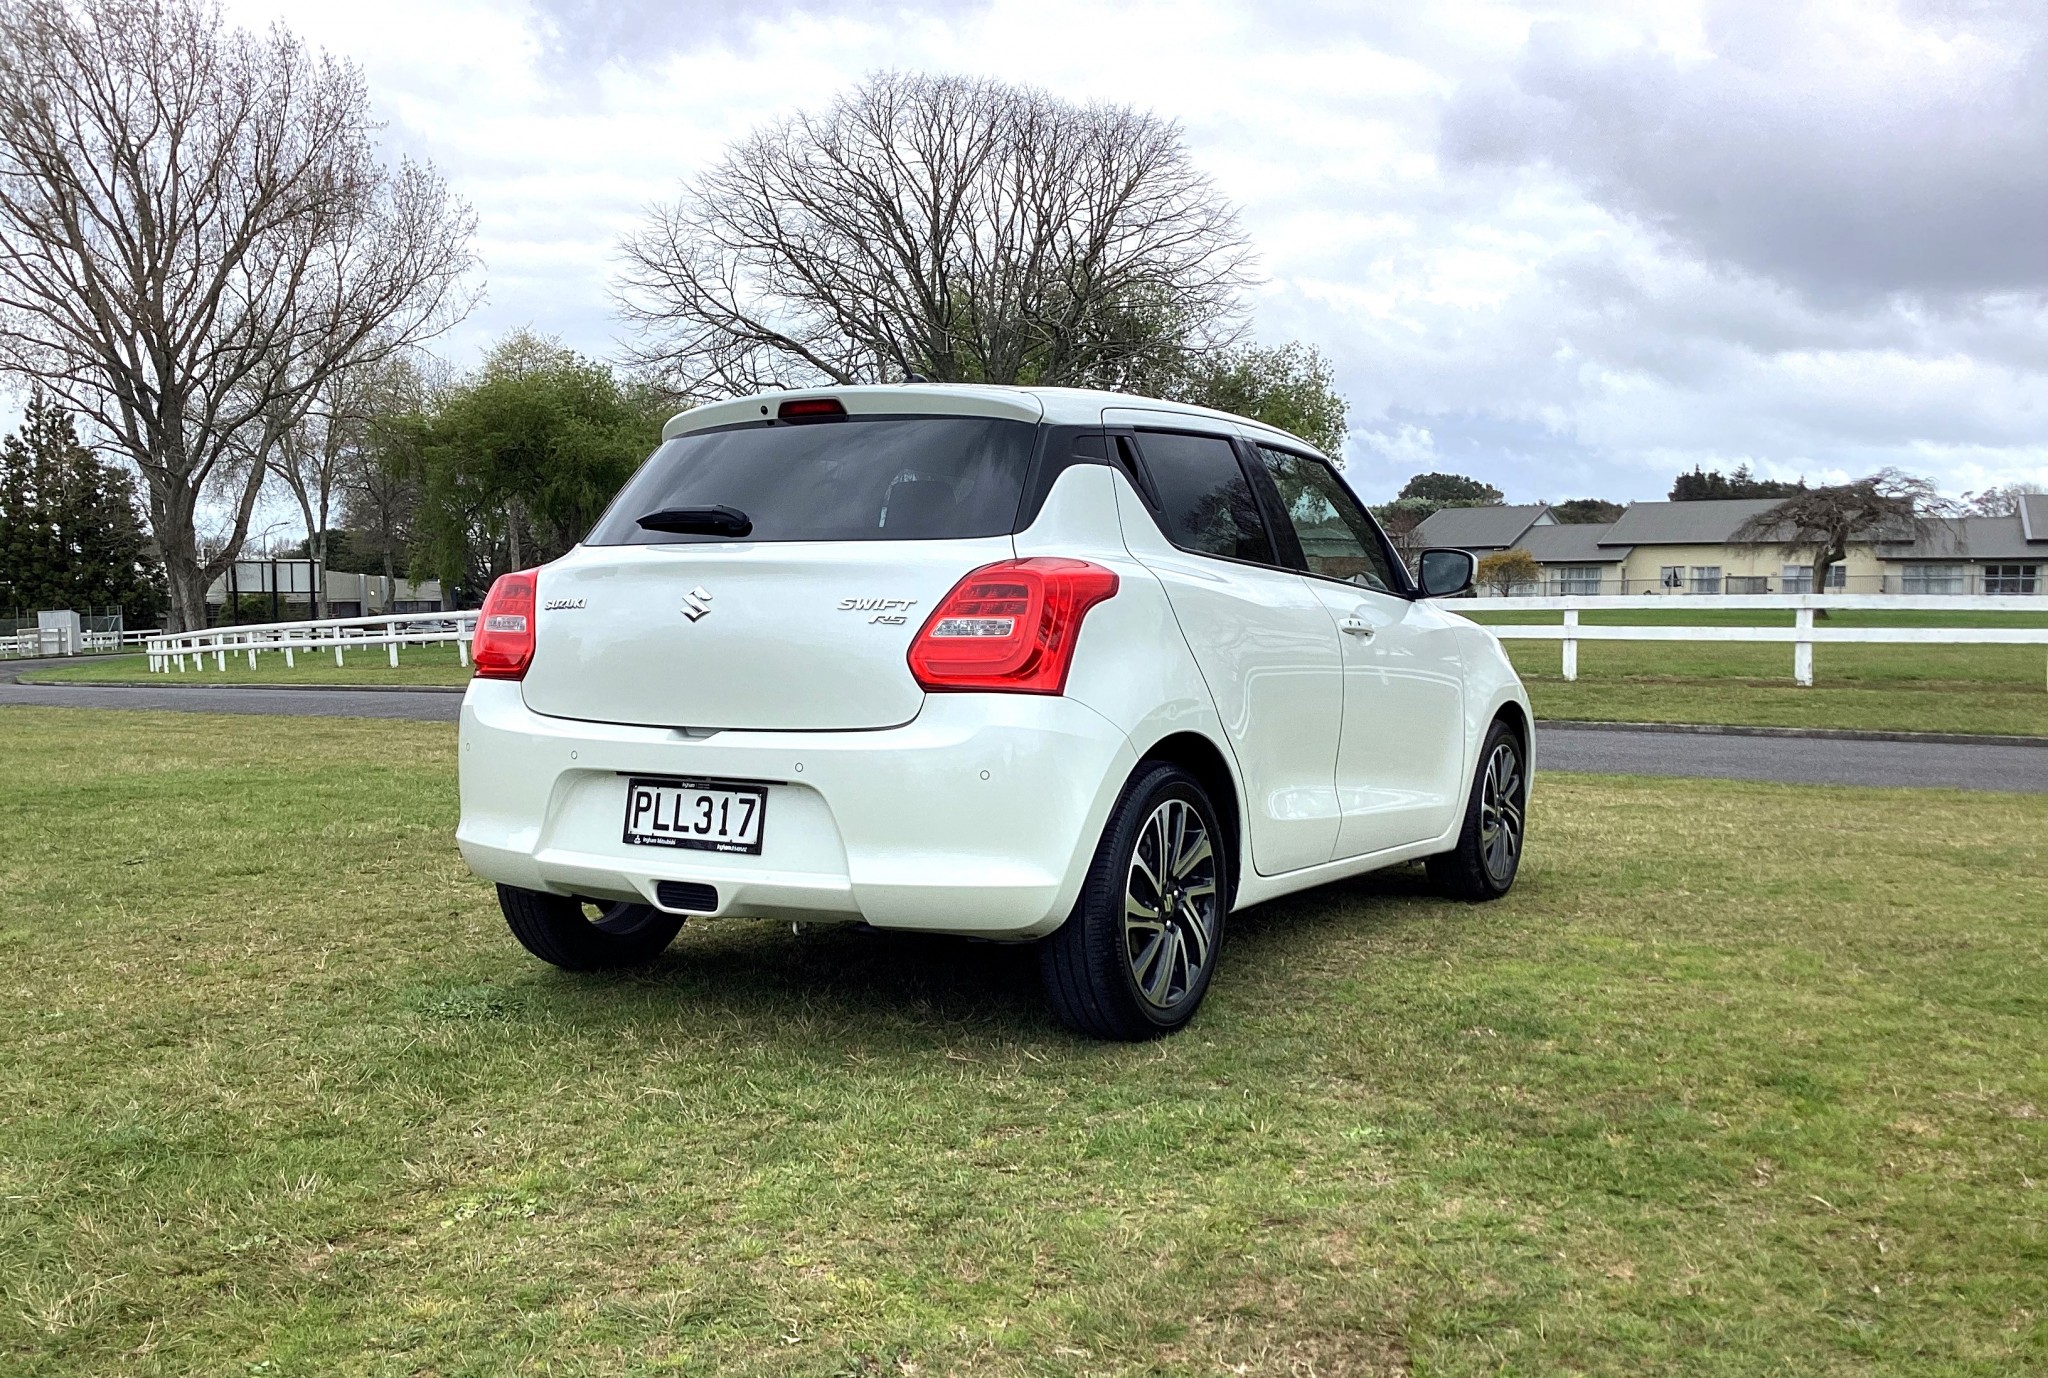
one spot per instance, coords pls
(1355, 626)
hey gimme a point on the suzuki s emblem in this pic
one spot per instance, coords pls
(696, 603)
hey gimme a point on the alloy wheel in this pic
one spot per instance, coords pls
(1170, 905)
(1500, 813)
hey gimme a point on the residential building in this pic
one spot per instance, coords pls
(1691, 548)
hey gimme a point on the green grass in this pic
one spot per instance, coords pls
(369, 665)
(1741, 1079)
(1977, 689)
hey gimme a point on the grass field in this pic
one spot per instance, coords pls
(416, 665)
(1978, 689)
(1741, 1079)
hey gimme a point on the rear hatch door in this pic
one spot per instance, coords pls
(859, 525)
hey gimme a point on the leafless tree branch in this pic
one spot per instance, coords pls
(967, 230)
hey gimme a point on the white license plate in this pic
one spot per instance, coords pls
(708, 815)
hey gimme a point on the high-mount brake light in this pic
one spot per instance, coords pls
(504, 629)
(801, 408)
(1010, 627)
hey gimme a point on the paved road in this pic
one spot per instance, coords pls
(1798, 760)
(1607, 751)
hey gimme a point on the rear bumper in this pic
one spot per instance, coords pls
(980, 816)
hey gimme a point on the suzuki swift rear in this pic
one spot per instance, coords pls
(890, 655)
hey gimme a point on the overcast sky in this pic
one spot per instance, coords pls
(1569, 248)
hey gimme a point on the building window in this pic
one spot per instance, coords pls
(1933, 579)
(1671, 577)
(1749, 583)
(1799, 578)
(1576, 579)
(2012, 578)
(1706, 578)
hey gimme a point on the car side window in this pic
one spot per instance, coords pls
(1337, 537)
(1204, 497)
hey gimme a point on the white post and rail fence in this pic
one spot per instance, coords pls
(169, 652)
(173, 652)
(1803, 634)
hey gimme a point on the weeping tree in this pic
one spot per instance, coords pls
(1819, 524)
(959, 229)
(196, 236)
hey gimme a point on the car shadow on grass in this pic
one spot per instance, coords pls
(833, 983)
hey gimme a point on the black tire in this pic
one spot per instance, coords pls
(558, 929)
(1134, 959)
(1489, 852)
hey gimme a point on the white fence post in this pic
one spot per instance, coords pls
(1571, 645)
(1802, 650)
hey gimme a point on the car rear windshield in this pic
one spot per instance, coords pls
(892, 478)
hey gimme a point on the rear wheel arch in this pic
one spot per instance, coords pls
(1203, 759)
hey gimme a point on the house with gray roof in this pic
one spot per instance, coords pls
(1692, 548)
(1482, 530)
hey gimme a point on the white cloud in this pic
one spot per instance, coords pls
(1569, 250)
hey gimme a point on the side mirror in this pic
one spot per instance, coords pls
(1441, 573)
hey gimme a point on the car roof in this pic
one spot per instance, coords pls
(1054, 406)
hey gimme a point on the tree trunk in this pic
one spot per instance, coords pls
(1822, 563)
(316, 547)
(183, 570)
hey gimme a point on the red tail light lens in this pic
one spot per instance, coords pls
(1010, 627)
(504, 629)
(801, 407)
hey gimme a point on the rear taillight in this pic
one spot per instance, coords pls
(1009, 627)
(504, 629)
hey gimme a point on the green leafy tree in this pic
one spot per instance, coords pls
(1705, 485)
(1587, 512)
(71, 526)
(1452, 490)
(1290, 386)
(1403, 515)
(1506, 571)
(515, 463)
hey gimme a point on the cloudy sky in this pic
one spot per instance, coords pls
(1569, 248)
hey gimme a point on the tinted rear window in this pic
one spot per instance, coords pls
(1205, 500)
(895, 478)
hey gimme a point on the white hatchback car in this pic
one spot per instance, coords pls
(1017, 663)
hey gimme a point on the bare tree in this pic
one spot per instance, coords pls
(378, 485)
(2001, 501)
(1820, 523)
(195, 235)
(314, 456)
(964, 230)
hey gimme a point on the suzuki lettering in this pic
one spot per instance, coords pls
(1137, 668)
